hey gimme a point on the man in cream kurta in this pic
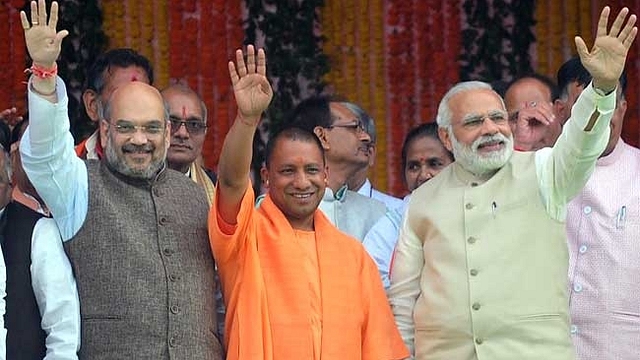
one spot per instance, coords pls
(479, 270)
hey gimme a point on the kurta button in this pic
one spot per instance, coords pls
(475, 306)
(167, 252)
(587, 210)
(473, 272)
(471, 240)
(469, 206)
(577, 287)
(175, 309)
(574, 329)
(583, 249)
(173, 342)
(479, 341)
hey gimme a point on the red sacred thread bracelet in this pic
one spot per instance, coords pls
(42, 72)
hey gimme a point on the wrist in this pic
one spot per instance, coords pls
(603, 89)
(248, 120)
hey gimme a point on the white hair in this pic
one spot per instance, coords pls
(444, 110)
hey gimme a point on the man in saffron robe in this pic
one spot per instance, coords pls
(295, 287)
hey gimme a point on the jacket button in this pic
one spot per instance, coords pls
(175, 309)
(475, 306)
(163, 220)
(469, 206)
(471, 240)
(173, 342)
(473, 272)
(167, 252)
(479, 341)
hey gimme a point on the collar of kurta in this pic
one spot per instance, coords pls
(614, 156)
(339, 195)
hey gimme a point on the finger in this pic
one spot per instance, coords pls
(42, 12)
(241, 67)
(34, 13)
(602, 22)
(583, 52)
(628, 27)
(61, 35)
(24, 20)
(617, 24)
(233, 74)
(53, 17)
(629, 40)
(262, 62)
(251, 59)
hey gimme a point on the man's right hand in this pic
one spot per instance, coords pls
(43, 42)
(534, 123)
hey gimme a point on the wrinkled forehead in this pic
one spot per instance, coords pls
(116, 76)
(475, 102)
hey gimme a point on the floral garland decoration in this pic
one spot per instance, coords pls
(497, 40)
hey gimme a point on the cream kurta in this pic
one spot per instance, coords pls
(479, 270)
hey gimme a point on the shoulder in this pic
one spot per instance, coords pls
(390, 201)
(364, 203)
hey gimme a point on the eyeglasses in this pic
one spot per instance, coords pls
(193, 126)
(128, 128)
(357, 126)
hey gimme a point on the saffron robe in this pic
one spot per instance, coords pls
(267, 293)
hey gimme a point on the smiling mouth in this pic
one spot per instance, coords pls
(491, 145)
(302, 196)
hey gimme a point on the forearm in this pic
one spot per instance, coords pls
(50, 161)
(55, 291)
(236, 154)
(405, 283)
(564, 170)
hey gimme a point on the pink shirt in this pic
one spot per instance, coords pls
(603, 228)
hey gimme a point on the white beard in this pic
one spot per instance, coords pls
(480, 164)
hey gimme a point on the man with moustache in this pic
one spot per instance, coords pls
(480, 268)
(188, 117)
(346, 145)
(135, 232)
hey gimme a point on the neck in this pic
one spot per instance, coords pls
(339, 175)
(358, 179)
(180, 167)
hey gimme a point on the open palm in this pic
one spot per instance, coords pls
(606, 59)
(250, 85)
(43, 42)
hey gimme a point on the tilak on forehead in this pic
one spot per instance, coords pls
(184, 112)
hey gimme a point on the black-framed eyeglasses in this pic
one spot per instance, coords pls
(127, 128)
(357, 126)
(193, 126)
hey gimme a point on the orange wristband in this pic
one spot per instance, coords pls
(42, 72)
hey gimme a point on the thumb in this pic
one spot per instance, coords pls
(61, 35)
(581, 47)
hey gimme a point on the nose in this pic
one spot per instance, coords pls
(138, 137)
(363, 135)
(425, 174)
(181, 131)
(301, 181)
(489, 127)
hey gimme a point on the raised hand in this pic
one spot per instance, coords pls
(606, 59)
(250, 85)
(10, 117)
(43, 42)
(536, 126)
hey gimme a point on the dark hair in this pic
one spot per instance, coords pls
(573, 70)
(428, 130)
(545, 80)
(120, 58)
(312, 112)
(18, 130)
(291, 133)
(5, 136)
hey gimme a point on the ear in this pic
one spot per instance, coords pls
(622, 107)
(321, 133)
(560, 109)
(264, 176)
(104, 128)
(90, 100)
(372, 155)
(167, 134)
(443, 134)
